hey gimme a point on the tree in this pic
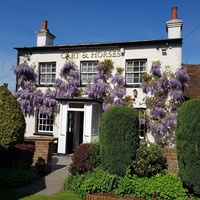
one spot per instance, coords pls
(164, 95)
(12, 122)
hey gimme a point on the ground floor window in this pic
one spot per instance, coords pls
(142, 127)
(45, 123)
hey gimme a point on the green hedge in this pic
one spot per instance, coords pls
(188, 144)
(119, 138)
(12, 121)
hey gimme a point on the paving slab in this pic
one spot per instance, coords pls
(52, 182)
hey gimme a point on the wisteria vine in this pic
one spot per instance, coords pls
(165, 93)
(108, 88)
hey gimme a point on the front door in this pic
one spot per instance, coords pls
(74, 130)
(70, 132)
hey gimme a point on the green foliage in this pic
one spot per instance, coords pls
(188, 144)
(119, 138)
(96, 158)
(97, 181)
(163, 186)
(149, 161)
(15, 177)
(12, 122)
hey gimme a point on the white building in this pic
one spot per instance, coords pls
(77, 120)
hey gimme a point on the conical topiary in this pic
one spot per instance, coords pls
(12, 122)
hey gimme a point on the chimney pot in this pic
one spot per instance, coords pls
(44, 25)
(174, 13)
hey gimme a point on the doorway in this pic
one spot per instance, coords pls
(75, 121)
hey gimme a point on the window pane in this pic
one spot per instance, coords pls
(88, 69)
(47, 73)
(45, 123)
(134, 69)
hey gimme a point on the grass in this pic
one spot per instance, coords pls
(10, 194)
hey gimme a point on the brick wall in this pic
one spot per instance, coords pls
(171, 155)
(193, 91)
(43, 152)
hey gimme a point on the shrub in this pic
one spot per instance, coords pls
(15, 177)
(162, 186)
(188, 144)
(149, 161)
(96, 159)
(19, 155)
(92, 182)
(12, 122)
(81, 161)
(119, 138)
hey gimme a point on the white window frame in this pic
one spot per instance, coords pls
(88, 70)
(45, 123)
(47, 72)
(134, 69)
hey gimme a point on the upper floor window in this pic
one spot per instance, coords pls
(47, 73)
(134, 70)
(45, 123)
(88, 70)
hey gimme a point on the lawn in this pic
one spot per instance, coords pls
(10, 194)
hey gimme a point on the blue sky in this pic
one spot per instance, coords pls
(81, 21)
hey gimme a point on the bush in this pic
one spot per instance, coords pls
(12, 122)
(149, 161)
(92, 182)
(15, 177)
(82, 160)
(119, 138)
(96, 158)
(163, 186)
(19, 155)
(188, 144)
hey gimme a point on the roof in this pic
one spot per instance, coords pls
(102, 44)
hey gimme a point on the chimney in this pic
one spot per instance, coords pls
(44, 37)
(44, 25)
(174, 13)
(174, 26)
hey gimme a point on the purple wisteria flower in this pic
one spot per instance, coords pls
(156, 69)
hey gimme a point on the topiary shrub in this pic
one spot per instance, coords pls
(149, 161)
(119, 138)
(12, 122)
(188, 144)
(82, 159)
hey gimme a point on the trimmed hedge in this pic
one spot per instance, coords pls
(188, 144)
(12, 121)
(119, 138)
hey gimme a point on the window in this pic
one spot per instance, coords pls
(45, 123)
(47, 73)
(95, 118)
(134, 70)
(142, 127)
(142, 132)
(88, 70)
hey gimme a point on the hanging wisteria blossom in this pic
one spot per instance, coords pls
(164, 95)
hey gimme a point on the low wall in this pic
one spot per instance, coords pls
(43, 151)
